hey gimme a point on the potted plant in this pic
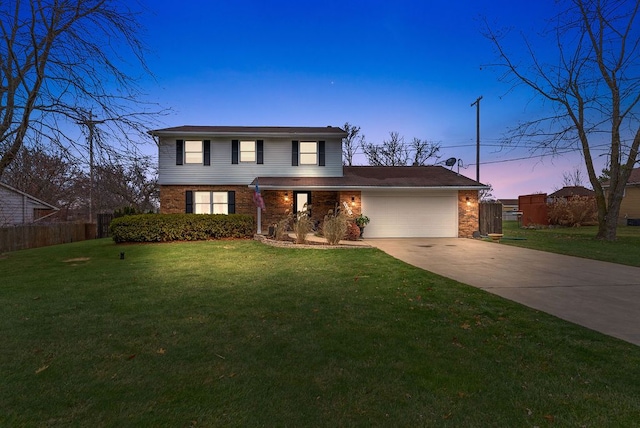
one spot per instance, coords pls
(361, 221)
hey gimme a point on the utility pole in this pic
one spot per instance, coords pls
(477, 104)
(91, 124)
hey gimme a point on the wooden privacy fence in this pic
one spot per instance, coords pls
(490, 217)
(104, 220)
(534, 209)
(40, 235)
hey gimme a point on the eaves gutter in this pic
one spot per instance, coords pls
(248, 134)
(363, 188)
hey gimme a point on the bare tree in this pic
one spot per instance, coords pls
(396, 152)
(593, 84)
(134, 185)
(351, 143)
(49, 177)
(423, 150)
(392, 152)
(572, 178)
(63, 59)
(486, 194)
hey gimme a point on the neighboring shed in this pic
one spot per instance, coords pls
(17, 207)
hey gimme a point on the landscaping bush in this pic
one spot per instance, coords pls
(575, 211)
(335, 226)
(302, 225)
(353, 232)
(180, 227)
(282, 226)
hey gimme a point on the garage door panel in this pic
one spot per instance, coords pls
(430, 214)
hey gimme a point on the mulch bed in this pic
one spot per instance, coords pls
(289, 242)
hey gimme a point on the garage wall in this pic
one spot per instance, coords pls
(409, 214)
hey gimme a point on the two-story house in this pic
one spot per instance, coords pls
(217, 169)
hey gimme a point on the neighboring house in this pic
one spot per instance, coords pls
(569, 192)
(509, 209)
(216, 169)
(630, 206)
(18, 208)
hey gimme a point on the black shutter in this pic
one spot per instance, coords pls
(207, 152)
(179, 151)
(234, 151)
(321, 153)
(260, 152)
(294, 153)
(189, 202)
(231, 198)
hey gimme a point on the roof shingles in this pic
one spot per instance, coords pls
(377, 177)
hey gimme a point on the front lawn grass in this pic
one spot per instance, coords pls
(235, 333)
(578, 241)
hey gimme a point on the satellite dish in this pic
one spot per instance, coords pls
(450, 161)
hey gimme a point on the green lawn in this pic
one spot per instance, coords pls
(578, 241)
(235, 333)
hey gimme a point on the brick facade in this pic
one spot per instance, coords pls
(279, 202)
(173, 199)
(468, 218)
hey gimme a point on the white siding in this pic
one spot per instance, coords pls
(15, 208)
(277, 163)
(405, 214)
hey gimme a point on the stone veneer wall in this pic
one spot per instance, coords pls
(468, 221)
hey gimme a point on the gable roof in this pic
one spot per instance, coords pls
(569, 191)
(251, 131)
(634, 177)
(37, 202)
(377, 177)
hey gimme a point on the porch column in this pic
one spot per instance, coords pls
(259, 231)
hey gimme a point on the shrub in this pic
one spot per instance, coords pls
(302, 226)
(353, 232)
(282, 227)
(575, 211)
(335, 225)
(180, 227)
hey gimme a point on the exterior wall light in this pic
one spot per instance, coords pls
(468, 202)
(286, 196)
(353, 201)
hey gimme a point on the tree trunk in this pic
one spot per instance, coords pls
(607, 227)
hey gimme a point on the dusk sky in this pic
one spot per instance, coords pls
(413, 67)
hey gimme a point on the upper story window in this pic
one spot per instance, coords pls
(308, 153)
(247, 151)
(192, 151)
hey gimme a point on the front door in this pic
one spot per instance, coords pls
(301, 200)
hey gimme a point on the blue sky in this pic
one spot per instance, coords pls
(413, 67)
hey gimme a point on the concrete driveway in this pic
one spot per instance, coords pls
(601, 296)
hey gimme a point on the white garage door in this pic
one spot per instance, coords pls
(411, 214)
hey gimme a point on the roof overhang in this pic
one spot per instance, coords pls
(43, 204)
(333, 188)
(251, 131)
